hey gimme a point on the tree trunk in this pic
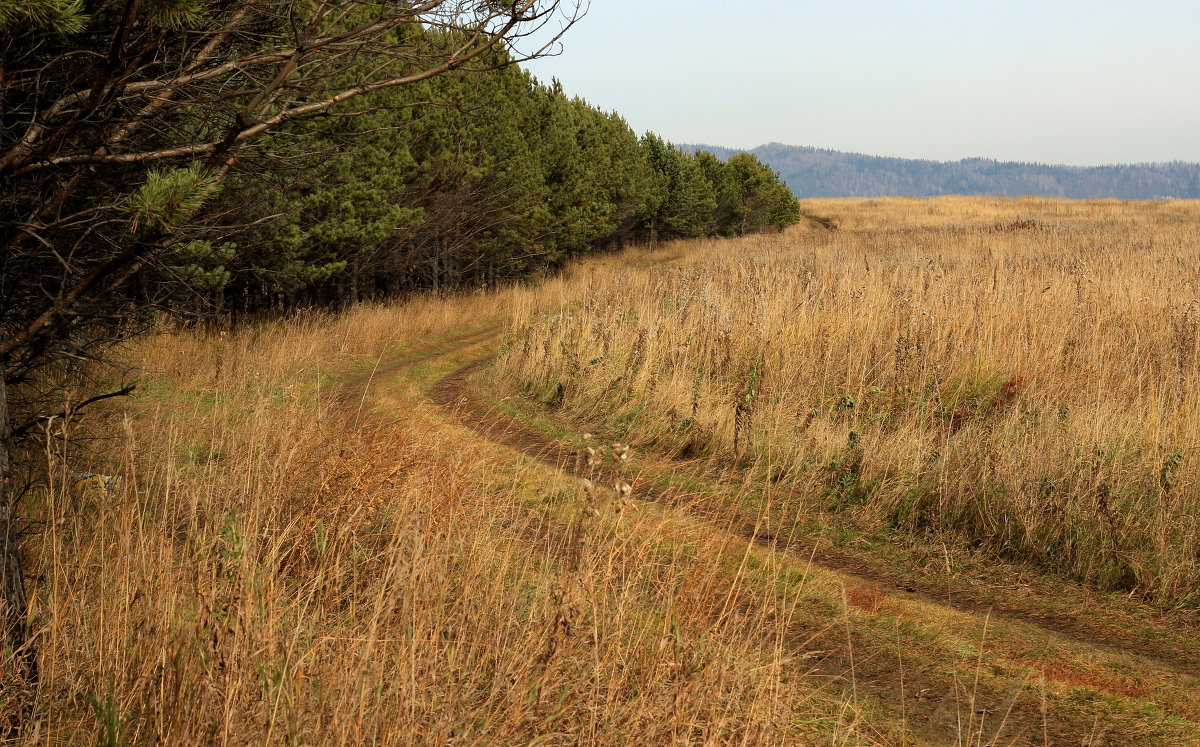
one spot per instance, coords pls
(12, 584)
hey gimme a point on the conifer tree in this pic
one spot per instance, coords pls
(761, 199)
(686, 201)
(120, 121)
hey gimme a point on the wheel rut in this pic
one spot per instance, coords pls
(453, 394)
(1026, 721)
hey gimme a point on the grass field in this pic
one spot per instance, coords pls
(290, 562)
(967, 424)
(1023, 374)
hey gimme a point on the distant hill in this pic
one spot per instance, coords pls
(816, 172)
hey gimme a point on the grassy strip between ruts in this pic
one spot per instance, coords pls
(1080, 676)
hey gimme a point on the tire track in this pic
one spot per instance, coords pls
(453, 394)
(937, 715)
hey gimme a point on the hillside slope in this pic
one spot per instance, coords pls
(818, 172)
(643, 503)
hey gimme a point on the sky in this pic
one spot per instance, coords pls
(1053, 81)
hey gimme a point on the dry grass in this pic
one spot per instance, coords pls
(1023, 373)
(288, 562)
(273, 573)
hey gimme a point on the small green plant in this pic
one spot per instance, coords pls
(744, 408)
(108, 722)
(1166, 473)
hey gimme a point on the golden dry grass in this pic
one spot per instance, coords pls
(294, 559)
(272, 572)
(1023, 373)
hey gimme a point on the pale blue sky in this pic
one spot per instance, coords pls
(1058, 81)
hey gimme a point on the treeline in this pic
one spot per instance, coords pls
(468, 179)
(816, 172)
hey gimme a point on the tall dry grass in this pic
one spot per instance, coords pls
(289, 561)
(282, 568)
(1023, 373)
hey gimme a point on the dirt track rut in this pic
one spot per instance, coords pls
(454, 394)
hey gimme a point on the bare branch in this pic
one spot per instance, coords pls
(458, 58)
(70, 411)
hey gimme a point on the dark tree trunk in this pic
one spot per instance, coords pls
(12, 583)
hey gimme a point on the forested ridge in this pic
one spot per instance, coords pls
(820, 172)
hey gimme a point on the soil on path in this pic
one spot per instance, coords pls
(1014, 715)
(455, 395)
